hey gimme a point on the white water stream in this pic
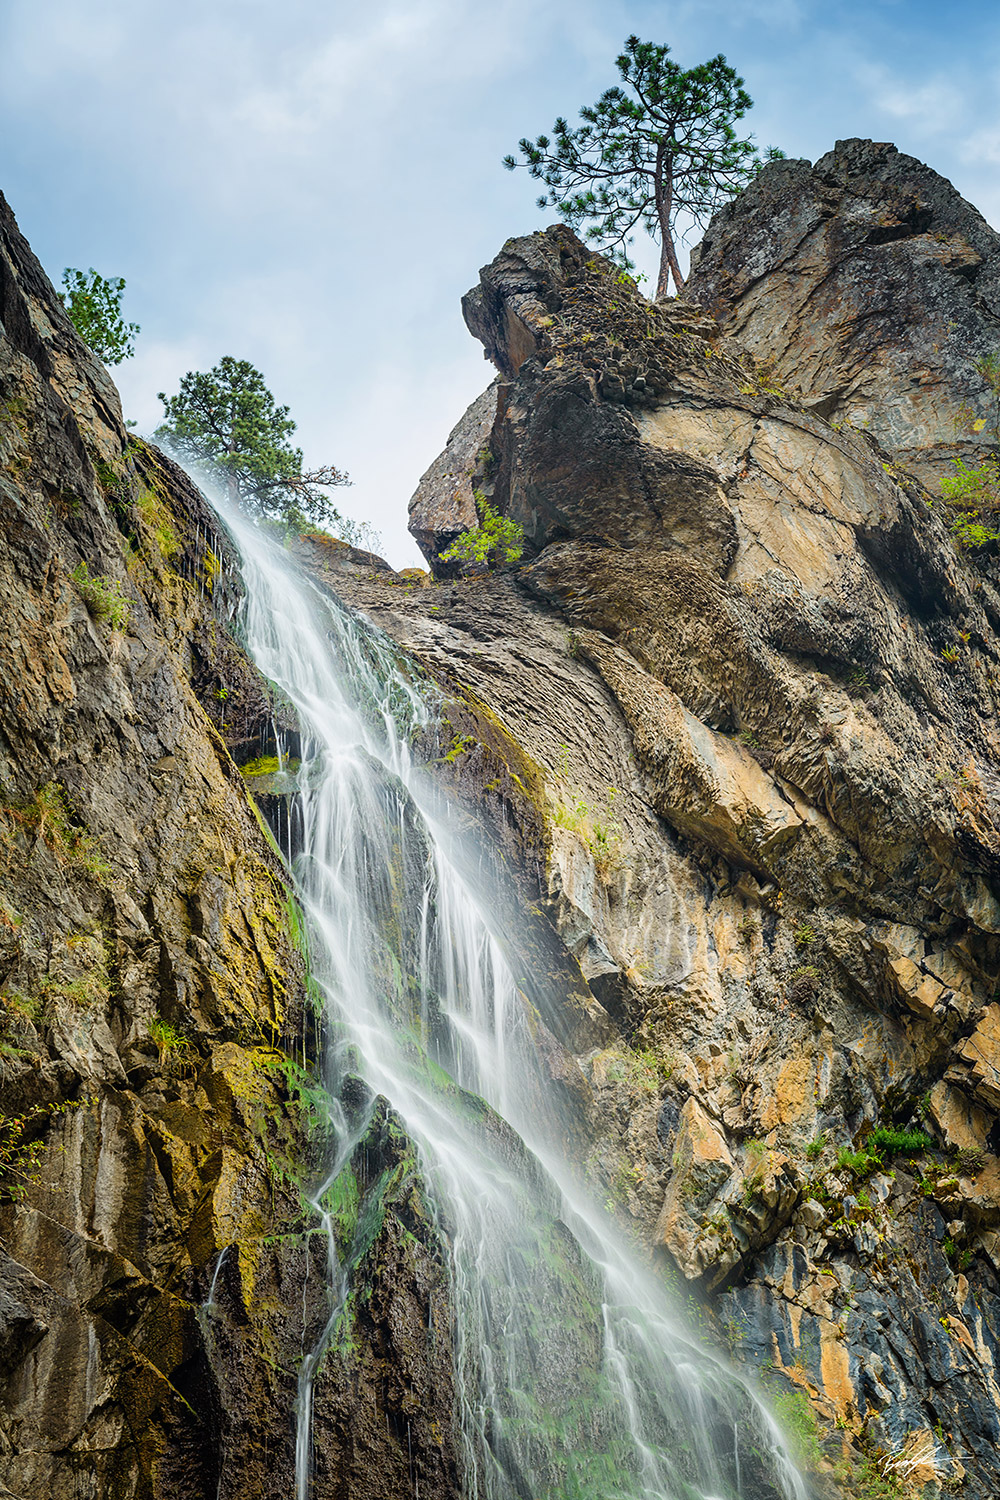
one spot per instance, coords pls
(573, 1376)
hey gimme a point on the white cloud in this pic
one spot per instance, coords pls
(936, 106)
(982, 146)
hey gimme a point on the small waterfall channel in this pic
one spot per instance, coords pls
(573, 1377)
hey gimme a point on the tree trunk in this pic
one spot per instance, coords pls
(668, 266)
(663, 189)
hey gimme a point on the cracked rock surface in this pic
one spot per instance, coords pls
(733, 720)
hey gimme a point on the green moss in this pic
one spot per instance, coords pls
(343, 1203)
(158, 522)
(268, 765)
(459, 745)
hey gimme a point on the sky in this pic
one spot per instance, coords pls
(313, 185)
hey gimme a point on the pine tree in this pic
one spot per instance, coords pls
(641, 158)
(226, 422)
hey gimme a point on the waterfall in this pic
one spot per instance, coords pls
(426, 1003)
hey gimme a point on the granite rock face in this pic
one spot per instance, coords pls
(737, 728)
(871, 288)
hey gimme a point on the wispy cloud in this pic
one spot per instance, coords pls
(982, 145)
(936, 106)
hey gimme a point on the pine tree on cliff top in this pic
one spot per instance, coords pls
(643, 158)
(226, 422)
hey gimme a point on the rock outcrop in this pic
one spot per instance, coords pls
(747, 688)
(869, 288)
(444, 503)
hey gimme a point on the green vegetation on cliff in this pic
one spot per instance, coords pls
(94, 304)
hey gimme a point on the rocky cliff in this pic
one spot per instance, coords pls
(730, 726)
(756, 679)
(159, 1276)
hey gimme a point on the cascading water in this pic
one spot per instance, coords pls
(572, 1376)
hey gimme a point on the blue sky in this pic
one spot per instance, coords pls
(313, 186)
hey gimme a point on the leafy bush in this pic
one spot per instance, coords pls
(94, 304)
(495, 540)
(22, 1146)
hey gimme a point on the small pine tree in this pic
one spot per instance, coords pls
(94, 305)
(642, 158)
(226, 422)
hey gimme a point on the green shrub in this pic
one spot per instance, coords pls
(816, 1147)
(888, 1138)
(495, 540)
(168, 1040)
(103, 597)
(859, 1163)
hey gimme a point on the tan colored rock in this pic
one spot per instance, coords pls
(921, 992)
(963, 1124)
(981, 1051)
(708, 786)
(791, 1097)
